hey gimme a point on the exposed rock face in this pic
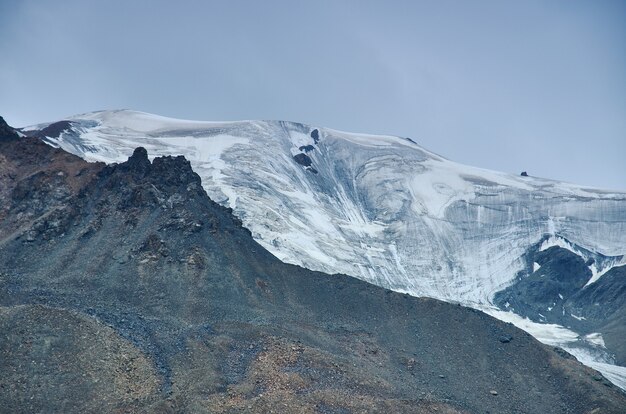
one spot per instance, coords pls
(39, 187)
(557, 290)
(54, 130)
(145, 295)
(6, 132)
(302, 159)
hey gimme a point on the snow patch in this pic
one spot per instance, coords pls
(596, 274)
(550, 334)
(596, 339)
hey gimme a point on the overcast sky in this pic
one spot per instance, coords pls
(506, 85)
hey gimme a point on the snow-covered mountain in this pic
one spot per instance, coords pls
(379, 208)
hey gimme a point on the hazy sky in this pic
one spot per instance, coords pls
(506, 85)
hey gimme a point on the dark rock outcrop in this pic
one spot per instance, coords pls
(55, 129)
(315, 134)
(6, 132)
(303, 159)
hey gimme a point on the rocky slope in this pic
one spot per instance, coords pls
(124, 288)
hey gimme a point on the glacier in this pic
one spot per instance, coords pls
(379, 208)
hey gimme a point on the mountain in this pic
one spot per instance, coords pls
(383, 209)
(125, 288)
(387, 211)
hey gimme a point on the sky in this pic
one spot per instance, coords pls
(536, 86)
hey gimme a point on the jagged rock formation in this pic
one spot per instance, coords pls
(125, 288)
